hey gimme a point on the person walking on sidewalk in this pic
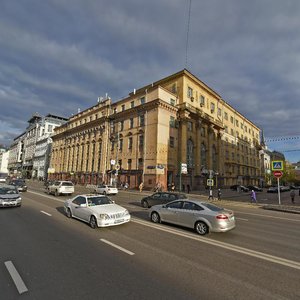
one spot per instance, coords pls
(141, 186)
(210, 194)
(253, 197)
(292, 194)
(219, 194)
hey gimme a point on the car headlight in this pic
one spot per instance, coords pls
(19, 199)
(104, 216)
(126, 212)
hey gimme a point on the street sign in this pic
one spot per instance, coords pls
(184, 168)
(277, 165)
(278, 174)
(117, 167)
(210, 182)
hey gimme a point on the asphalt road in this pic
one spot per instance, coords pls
(61, 258)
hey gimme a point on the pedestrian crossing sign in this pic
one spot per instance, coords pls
(277, 165)
(210, 182)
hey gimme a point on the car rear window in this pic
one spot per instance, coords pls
(212, 207)
(67, 184)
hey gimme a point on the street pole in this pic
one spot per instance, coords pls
(278, 188)
(179, 176)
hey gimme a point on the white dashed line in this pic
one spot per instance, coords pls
(21, 287)
(45, 213)
(116, 246)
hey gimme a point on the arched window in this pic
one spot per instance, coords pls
(190, 153)
(203, 156)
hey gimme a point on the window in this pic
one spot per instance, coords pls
(190, 126)
(174, 88)
(140, 163)
(142, 120)
(172, 142)
(129, 164)
(236, 123)
(130, 143)
(142, 100)
(177, 205)
(123, 107)
(131, 123)
(141, 141)
(225, 115)
(231, 119)
(121, 124)
(172, 102)
(202, 131)
(172, 122)
(189, 92)
(219, 112)
(202, 100)
(50, 128)
(132, 104)
(212, 107)
(190, 153)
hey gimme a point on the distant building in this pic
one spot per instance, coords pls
(176, 129)
(4, 160)
(29, 153)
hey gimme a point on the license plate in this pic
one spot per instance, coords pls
(119, 221)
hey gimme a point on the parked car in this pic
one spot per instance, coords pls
(9, 196)
(237, 187)
(97, 210)
(106, 189)
(294, 187)
(254, 188)
(202, 216)
(161, 198)
(61, 188)
(20, 184)
(272, 189)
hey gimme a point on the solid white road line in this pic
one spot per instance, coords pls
(21, 287)
(43, 212)
(241, 219)
(275, 259)
(116, 246)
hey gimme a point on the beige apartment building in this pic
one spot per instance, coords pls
(176, 130)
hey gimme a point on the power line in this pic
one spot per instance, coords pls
(282, 138)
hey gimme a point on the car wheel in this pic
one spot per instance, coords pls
(48, 191)
(155, 218)
(68, 213)
(201, 228)
(56, 193)
(93, 222)
(145, 204)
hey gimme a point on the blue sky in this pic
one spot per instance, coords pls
(59, 55)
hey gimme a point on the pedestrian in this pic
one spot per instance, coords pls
(219, 194)
(210, 196)
(141, 186)
(126, 186)
(172, 187)
(292, 194)
(188, 188)
(253, 197)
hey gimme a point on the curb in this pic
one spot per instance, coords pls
(288, 209)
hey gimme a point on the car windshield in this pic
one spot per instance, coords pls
(92, 201)
(212, 207)
(7, 190)
(18, 182)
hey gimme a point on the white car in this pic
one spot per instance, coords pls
(61, 188)
(106, 189)
(97, 210)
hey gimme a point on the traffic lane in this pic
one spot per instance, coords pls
(255, 232)
(162, 254)
(63, 259)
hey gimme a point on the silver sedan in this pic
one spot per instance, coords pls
(202, 216)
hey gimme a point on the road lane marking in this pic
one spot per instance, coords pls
(43, 212)
(241, 219)
(253, 253)
(21, 287)
(47, 196)
(267, 216)
(116, 246)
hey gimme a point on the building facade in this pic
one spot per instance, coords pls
(153, 133)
